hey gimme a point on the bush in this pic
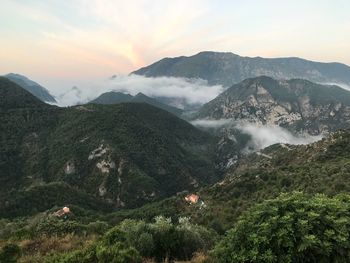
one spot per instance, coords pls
(291, 228)
(10, 253)
(51, 225)
(162, 239)
(100, 253)
(97, 227)
(118, 253)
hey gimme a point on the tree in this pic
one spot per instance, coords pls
(291, 228)
(118, 253)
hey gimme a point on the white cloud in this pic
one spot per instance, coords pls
(193, 91)
(208, 123)
(71, 97)
(341, 85)
(262, 136)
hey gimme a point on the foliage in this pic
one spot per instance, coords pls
(291, 228)
(10, 253)
(98, 252)
(321, 167)
(155, 154)
(42, 197)
(162, 239)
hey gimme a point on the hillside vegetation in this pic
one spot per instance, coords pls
(122, 155)
(107, 183)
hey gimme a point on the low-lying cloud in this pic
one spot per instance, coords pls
(192, 91)
(262, 136)
(207, 123)
(341, 85)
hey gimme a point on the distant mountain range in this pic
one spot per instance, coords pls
(94, 156)
(34, 88)
(228, 69)
(114, 97)
(299, 105)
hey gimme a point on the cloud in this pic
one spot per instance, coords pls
(213, 124)
(192, 91)
(262, 136)
(70, 97)
(341, 85)
(98, 36)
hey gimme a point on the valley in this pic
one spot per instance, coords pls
(133, 177)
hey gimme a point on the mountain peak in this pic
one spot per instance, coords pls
(13, 96)
(115, 97)
(34, 88)
(226, 69)
(140, 94)
(297, 104)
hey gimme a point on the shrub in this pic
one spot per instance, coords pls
(51, 225)
(100, 253)
(97, 227)
(118, 253)
(10, 253)
(291, 228)
(162, 239)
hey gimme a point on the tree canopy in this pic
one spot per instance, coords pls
(293, 227)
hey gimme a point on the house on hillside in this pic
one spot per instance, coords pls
(195, 199)
(192, 198)
(62, 212)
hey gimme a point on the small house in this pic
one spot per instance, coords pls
(192, 198)
(64, 211)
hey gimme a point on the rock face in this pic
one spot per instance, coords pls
(299, 105)
(227, 68)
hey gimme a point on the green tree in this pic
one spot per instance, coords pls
(162, 239)
(291, 228)
(118, 253)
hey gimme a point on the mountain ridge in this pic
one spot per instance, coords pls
(296, 103)
(114, 97)
(122, 155)
(226, 68)
(34, 88)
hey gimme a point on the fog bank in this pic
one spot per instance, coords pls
(192, 91)
(261, 135)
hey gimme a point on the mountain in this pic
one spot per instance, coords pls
(31, 86)
(13, 96)
(95, 156)
(97, 159)
(299, 105)
(320, 167)
(142, 98)
(227, 68)
(114, 97)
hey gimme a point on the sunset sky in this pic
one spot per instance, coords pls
(54, 40)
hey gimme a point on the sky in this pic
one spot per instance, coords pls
(61, 43)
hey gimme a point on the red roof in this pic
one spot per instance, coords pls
(192, 198)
